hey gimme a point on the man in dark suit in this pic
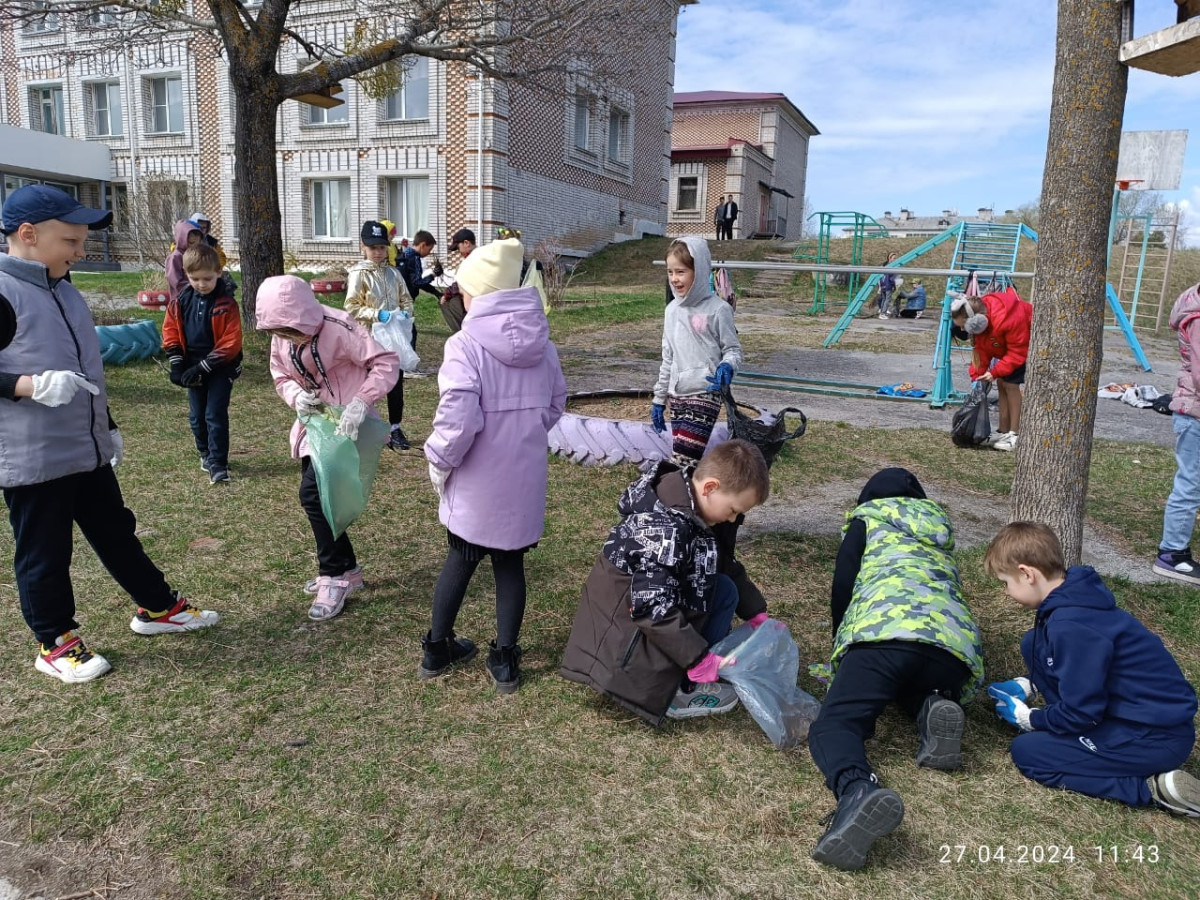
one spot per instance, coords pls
(731, 214)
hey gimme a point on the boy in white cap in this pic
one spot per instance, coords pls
(58, 443)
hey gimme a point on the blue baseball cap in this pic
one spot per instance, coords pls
(36, 203)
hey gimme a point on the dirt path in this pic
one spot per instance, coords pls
(778, 339)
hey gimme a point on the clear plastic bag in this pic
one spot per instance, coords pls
(345, 469)
(396, 335)
(762, 664)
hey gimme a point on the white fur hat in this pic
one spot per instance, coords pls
(492, 267)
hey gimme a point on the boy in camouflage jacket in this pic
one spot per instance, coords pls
(903, 634)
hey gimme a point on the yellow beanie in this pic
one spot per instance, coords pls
(492, 267)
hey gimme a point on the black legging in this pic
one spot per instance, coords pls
(395, 397)
(508, 566)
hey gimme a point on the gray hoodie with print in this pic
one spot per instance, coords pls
(698, 333)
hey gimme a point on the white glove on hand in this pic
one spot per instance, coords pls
(55, 388)
(352, 417)
(439, 478)
(118, 443)
(308, 403)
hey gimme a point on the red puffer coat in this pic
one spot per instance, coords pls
(1006, 339)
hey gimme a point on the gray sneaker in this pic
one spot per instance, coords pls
(1177, 564)
(941, 724)
(1177, 792)
(703, 700)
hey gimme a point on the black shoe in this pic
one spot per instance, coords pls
(865, 813)
(941, 725)
(398, 441)
(441, 655)
(218, 476)
(504, 665)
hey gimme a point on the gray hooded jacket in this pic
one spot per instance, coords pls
(54, 331)
(698, 333)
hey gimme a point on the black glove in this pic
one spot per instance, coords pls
(193, 377)
(438, 271)
(177, 373)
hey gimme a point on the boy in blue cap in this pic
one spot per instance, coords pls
(58, 444)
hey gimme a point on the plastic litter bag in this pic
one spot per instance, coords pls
(345, 469)
(396, 335)
(972, 425)
(762, 665)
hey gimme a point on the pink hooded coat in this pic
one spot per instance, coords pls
(501, 390)
(176, 277)
(1185, 319)
(355, 366)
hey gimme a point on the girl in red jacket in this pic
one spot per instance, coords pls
(998, 325)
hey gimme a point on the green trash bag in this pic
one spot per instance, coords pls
(345, 468)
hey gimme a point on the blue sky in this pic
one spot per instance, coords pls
(922, 104)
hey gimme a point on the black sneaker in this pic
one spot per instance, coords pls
(441, 655)
(941, 725)
(1177, 564)
(503, 665)
(398, 441)
(864, 814)
(218, 476)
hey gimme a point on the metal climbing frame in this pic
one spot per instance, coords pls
(863, 226)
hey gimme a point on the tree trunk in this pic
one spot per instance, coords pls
(260, 240)
(1066, 346)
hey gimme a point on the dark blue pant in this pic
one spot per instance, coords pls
(1112, 761)
(42, 516)
(724, 604)
(208, 414)
(868, 678)
(334, 555)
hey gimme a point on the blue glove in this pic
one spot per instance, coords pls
(1010, 709)
(722, 378)
(384, 315)
(1021, 688)
(403, 314)
(657, 418)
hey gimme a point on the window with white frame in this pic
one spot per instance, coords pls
(329, 208)
(583, 121)
(412, 100)
(406, 203)
(165, 104)
(117, 200)
(687, 193)
(618, 135)
(105, 98)
(46, 109)
(337, 115)
(104, 17)
(41, 20)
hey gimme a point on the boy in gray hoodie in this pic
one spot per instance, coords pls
(700, 352)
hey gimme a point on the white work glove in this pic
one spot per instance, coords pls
(438, 477)
(118, 443)
(55, 388)
(308, 403)
(352, 417)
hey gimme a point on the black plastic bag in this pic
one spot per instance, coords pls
(972, 425)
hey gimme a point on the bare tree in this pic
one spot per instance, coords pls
(1051, 479)
(535, 42)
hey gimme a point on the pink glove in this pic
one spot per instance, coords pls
(755, 621)
(705, 671)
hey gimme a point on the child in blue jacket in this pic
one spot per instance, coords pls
(1117, 719)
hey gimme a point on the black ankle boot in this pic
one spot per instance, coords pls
(503, 664)
(441, 655)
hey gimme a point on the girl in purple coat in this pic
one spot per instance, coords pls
(501, 390)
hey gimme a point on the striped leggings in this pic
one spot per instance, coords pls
(692, 421)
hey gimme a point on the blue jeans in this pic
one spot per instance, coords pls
(208, 414)
(1179, 517)
(724, 604)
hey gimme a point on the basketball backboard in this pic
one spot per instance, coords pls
(1152, 160)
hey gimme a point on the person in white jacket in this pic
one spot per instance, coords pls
(700, 351)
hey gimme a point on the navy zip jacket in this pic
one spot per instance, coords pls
(1094, 662)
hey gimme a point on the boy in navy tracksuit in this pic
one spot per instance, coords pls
(1118, 715)
(202, 335)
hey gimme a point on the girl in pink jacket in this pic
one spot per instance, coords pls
(321, 356)
(501, 390)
